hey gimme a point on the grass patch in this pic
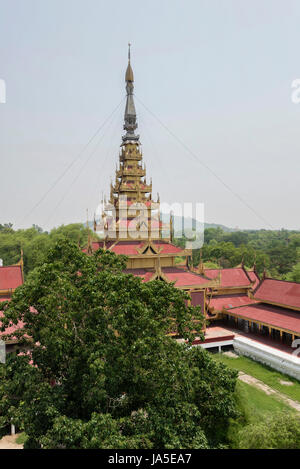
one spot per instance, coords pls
(21, 438)
(270, 377)
(254, 405)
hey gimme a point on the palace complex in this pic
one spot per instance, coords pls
(234, 298)
(236, 302)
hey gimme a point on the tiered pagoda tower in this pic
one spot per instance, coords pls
(135, 215)
(131, 224)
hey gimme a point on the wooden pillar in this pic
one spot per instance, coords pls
(281, 335)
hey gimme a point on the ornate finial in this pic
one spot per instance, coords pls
(130, 113)
(129, 72)
(129, 45)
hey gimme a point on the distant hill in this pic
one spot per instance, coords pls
(189, 223)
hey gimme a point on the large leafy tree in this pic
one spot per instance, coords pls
(101, 370)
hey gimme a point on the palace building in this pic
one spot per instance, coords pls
(235, 301)
(131, 223)
(259, 317)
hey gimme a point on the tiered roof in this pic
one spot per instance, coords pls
(220, 302)
(279, 292)
(135, 248)
(11, 277)
(233, 277)
(271, 316)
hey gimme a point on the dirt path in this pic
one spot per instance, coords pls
(9, 442)
(265, 388)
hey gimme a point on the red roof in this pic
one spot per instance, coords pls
(145, 274)
(280, 292)
(131, 248)
(10, 277)
(127, 247)
(253, 277)
(182, 278)
(179, 276)
(230, 301)
(271, 315)
(235, 277)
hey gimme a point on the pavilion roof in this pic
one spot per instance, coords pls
(270, 315)
(130, 248)
(280, 292)
(232, 277)
(10, 277)
(184, 277)
(230, 301)
(179, 276)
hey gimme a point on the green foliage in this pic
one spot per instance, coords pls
(102, 371)
(294, 275)
(283, 432)
(277, 251)
(269, 376)
(35, 242)
(254, 407)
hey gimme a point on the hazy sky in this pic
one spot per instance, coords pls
(217, 74)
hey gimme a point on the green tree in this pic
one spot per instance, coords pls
(278, 431)
(35, 242)
(102, 371)
(294, 275)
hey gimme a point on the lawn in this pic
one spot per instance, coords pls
(254, 405)
(270, 377)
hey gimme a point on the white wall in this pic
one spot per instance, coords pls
(280, 361)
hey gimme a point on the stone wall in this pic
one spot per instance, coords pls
(280, 361)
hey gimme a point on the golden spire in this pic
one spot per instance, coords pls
(129, 72)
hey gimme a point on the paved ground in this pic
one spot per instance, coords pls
(258, 338)
(9, 442)
(268, 390)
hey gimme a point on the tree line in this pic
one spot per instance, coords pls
(278, 252)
